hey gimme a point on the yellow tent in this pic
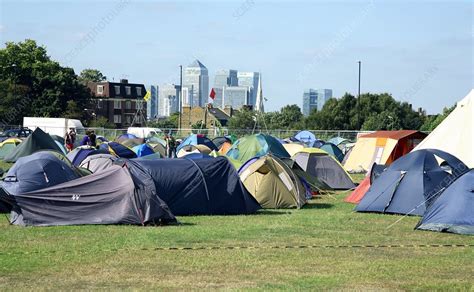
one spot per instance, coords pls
(293, 148)
(7, 146)
(381, 147)
(273, 183)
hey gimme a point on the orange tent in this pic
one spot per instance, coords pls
(402, 142)
(224, 147)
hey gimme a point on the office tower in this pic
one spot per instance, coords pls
(235, 96)
(315, 99)
(249, 80)
(152, 103)
(168, 100)
(196, 77)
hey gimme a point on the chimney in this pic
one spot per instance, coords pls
(124, 81)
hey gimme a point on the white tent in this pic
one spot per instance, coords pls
(455, 134)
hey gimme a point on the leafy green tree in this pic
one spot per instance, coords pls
(431, 122)
(101, 122)
(73, 111)
(290, 116)
(244, 119)
(93, 75)
(373, 112)
(170, 122)
(45, 85)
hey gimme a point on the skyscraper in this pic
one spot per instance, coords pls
(249, 80)
(323, 96)
(168, 100)
(152, 103)
(315, 99)
(225, 78)
(235, 96)
(196, 77)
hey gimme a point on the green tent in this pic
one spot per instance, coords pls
(8, 146)
(333, 150)
(257, 145)
(38, 140)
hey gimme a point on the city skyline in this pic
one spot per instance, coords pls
(419, 52)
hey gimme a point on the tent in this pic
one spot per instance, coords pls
(309, 139)
(153, 156)
(339, 141)
(224, 148)
(80, 153)
(333, 150)
(364, 186)
(219, 141)
(38, 171)
(254, 146)
(320, 164)
(453, 210)
(272, 183)
(197, 186)
(8, 146)
(293, 148)
(38, 140)
(404, 146)
(98, 162)
(455, 134)
(410, 184)
(113, 196)
(197, 139)
(314, 184)
(188, 149)
(381, 147)
(143, 150)
(118, 150)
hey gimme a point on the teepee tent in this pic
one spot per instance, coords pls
(455, 134)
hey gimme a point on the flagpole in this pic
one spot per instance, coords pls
(180, 100)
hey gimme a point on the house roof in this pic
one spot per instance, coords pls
(219, 114)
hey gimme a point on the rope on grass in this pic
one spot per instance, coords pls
(280, 247)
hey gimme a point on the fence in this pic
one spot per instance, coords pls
(110, 134)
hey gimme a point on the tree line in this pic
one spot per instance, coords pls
(32, 84)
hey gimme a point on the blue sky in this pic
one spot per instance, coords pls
(420, 51)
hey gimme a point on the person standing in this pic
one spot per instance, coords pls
(170, 145)
(70, 139)
(86, 140)
(93, 139)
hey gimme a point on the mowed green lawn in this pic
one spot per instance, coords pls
(123, 257)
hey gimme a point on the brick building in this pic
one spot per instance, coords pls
(215, 116)
(119, 102)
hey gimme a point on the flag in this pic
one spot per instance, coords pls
(147, 96)
(212, 96)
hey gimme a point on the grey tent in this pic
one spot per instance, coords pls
(38, 140)
(112, 196)
(98, 162)
(320, 164)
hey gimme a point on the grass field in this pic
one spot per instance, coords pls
(126, 257)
